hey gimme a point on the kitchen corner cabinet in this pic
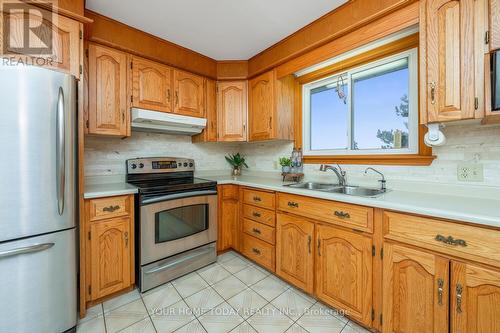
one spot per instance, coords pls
(151, 85)
(494, 28)
(209, 134)
(67, 39)
(452, 47)
(108, 249)
(189, 90)
(107, 92)
(271, 107)
(295, 251)
(232, 111)
(228, 217)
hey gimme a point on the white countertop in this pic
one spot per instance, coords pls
(93, 190)
(460, 208)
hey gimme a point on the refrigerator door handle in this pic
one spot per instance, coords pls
(24, 250)
(60, 151)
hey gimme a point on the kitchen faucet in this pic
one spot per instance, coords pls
(341, 174)
(382, 181)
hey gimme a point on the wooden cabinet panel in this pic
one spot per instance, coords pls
(228, 217)
(209, 134)
(261, 105)
(189, 94)
(151, 85)
(294, 251)
(475, 299)
(111, 244)
(416, 286)
(107, 91)
(260, 231)
(259, 214)
(258, 198)
(449, 59)
(494, 24)
(62, 33)
(232, 110)
(344, 271)
(259, 251)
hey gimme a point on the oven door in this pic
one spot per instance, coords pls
(176, 223)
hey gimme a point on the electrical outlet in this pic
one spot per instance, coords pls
(470, 172)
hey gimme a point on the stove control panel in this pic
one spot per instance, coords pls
(159, 165)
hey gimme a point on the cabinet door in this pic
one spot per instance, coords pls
(107, 91)
(189, 94)
(494, 25)
(294, 251)
(344, 271)
(209, 134)
(110, 256)
(232, 110)
(61, 51)
(415, 289)
(261, 107)
(151, 85)
(228, 217)
(475, 299)
(450, 60)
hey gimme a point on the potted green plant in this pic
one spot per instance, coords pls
(286, 164)
(237, 162)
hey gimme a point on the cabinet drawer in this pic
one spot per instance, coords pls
(258, 198)
(259, 230)
(258, 251)
(259, 214)
(455, 239)
(104, 208)
(229, 191)
(347, 215)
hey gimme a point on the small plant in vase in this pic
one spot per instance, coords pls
(286, 164)
(237, 162)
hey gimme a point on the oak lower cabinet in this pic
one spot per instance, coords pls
(232, 111)
(295, 251)
(416, 290)
(344, 271)
(107, 92)
(107, 248)
(228, 216)
(189, 90)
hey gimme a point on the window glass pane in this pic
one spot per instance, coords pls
(380, 107)
(329, 117)
(180, 222)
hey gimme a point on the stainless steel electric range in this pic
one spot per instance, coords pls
(176, 227)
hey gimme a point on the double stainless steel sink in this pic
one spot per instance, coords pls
(335, 188)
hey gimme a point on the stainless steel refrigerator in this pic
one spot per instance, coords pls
(38, 200)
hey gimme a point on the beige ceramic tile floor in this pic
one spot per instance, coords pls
(232, 295)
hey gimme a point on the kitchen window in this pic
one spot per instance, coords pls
(367, 110)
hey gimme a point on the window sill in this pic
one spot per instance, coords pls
(403, 160)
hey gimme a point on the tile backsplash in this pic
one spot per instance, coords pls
(465, 142)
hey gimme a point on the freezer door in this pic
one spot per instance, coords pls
(38, 284)
(38, 151)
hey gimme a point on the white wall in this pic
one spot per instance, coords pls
(106, 156)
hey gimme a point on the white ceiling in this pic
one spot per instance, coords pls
(220, 29)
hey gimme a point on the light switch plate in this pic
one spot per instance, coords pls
(470, 172)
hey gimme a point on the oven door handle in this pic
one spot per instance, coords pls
(178, 196)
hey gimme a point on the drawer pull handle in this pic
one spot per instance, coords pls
(451, 241)
(255, 214)
(256, 251)
(257, 231)
(459, 298)
(293, 204)
(258, 199)
(440, 289)
(342, 215)
(309, 240)
(110, 209)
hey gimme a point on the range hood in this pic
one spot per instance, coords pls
(154, 121)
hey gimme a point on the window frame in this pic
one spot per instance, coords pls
(413, 118)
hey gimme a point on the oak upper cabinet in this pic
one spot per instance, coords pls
(107, 92)
(60, 38)
(416, 291)
(110, 250)
(189, 90)
(271, 107)
(295, 251)
(494, 29)
(475, 299)
(451, 63)
(344, 271)
(228, 217)
(209, 134)
(232, 110)
(151, 85)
